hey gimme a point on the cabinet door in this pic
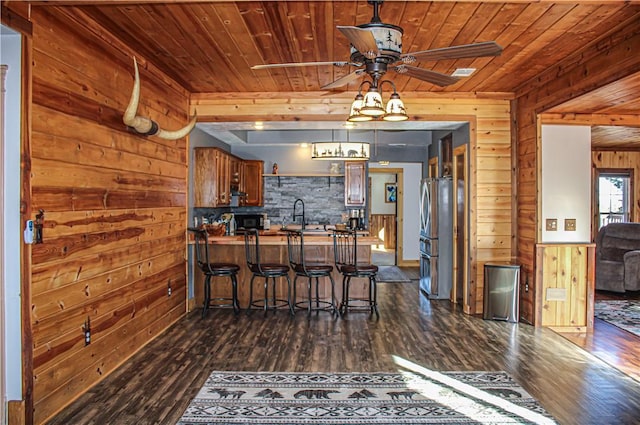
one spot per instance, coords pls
(253, 183)
(354, 183)
(236, 167)
(205, 178)
(223, 178)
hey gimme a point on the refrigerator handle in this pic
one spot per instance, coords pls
(428, 196)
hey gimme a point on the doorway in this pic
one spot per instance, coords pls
(460, 289)
(385, 203)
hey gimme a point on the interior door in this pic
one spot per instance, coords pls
(460, 292)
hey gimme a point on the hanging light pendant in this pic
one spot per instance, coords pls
(355, 115)
(395, 109)
(372, 103)
(370, 106)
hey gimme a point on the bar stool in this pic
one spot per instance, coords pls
(214, 269)
(295, 245)
(345, 248)
(267, 271)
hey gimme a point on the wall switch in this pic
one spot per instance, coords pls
(552, 224)
(570, 224)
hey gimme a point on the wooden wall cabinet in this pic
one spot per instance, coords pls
(354, 183)
(252, 183)
(212, 182)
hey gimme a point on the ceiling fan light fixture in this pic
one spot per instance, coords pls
(372, 103)
(395, 109)
(355, 115)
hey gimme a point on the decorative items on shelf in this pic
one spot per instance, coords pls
(275, 168)
(334, 168)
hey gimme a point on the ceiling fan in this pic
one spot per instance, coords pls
(377, 47)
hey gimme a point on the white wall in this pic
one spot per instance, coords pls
(566, 181)
(377, 200)
(412, 173)
(10, 53)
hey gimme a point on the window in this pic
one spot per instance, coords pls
(614, 197)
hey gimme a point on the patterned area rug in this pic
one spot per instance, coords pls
(391, 274)
(363, 398)
(624, 314)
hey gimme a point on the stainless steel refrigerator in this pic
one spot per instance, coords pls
(436, 237)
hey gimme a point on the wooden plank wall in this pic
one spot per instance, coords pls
(491, 234)
(115, 208)
(594, 67)
(622, 159)
(565, 274)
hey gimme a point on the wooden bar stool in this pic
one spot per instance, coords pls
(295, 245)
(266, 271)
(212, 269)
(345, 248)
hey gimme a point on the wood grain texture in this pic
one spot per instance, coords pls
(156, 385)
(210, 47)
(115, 210)
(568, 272)
(578, 75)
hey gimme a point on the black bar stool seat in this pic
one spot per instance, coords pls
(268, 271)
(345, 248)
(214, 269)
(297, 261)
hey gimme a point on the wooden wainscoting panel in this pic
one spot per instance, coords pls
(565, 286)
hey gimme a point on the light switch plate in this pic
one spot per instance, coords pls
(570, 224)
(552, 224)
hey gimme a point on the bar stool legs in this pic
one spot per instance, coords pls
(320, 305)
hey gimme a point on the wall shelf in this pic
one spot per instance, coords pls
(304, 175)
(327, 175)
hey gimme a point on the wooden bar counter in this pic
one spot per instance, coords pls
(273, 249)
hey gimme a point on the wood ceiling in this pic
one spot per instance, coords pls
(209, 47)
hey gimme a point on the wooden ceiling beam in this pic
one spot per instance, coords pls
(632, 120)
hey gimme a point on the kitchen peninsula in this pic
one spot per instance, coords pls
(273, 248)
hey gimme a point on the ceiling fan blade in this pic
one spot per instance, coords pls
(297, 64)
(344, 80)
(362, 39)
(427, 75)
(487, 48)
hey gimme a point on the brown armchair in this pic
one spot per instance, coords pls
(618, 257)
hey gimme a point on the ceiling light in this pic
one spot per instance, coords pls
(304, 145)
(348, 151)
(259, 125)
(370, 106)
(463, 72)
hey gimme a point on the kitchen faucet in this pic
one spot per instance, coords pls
(299, 215)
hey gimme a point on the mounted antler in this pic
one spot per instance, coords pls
(145, 126)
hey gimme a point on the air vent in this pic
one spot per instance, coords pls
(463, 72)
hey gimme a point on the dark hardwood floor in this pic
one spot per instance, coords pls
(156, 385)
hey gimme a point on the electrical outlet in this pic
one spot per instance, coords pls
(552, 224)
(570, 224)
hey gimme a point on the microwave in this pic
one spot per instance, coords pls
(249, 221)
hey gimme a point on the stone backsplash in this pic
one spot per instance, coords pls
(323, 198)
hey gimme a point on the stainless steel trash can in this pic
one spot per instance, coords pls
(501, 292)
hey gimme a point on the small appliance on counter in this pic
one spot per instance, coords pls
(250, 221)
(356, 219)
